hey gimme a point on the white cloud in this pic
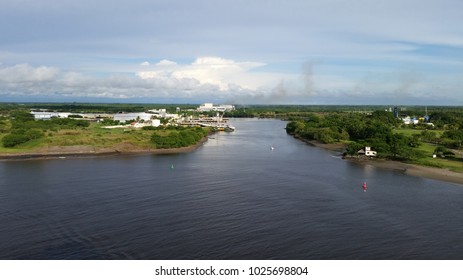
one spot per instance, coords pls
(215, 71)
(166, 62)
(214, 78)
(145, 63)
(204, 79)
(24, 73)
(48, 82)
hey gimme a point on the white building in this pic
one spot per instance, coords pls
(409, 120)
(49, 115)
(155, 123)
(206, 107)
(160, 112)
(146, 117)
(123, 117)
(367, 152)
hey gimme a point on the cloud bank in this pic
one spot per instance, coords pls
(206, 77)
(222, 80)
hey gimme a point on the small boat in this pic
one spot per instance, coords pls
(229, 128)
(272, 148)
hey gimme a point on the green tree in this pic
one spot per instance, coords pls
(400, 146)
(353, 147)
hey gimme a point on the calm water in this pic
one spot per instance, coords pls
(233, 198)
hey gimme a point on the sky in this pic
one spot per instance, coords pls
(359, 52)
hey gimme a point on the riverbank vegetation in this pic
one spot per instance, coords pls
(353, 126)
(438, 145)
(21, 133)
(178, 137)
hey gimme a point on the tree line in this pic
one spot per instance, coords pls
(376, 130)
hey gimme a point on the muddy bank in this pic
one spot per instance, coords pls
(337, 147)
(413, 170)
(410, 169)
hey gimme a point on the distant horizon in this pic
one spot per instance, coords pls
(391, 105)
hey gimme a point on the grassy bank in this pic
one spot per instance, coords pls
(95, 138)
(426, 150)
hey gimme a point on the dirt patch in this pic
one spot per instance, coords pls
(338, 147)
(67, 149)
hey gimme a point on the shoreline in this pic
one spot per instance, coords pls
(89, 151)
(127, 149)
(440, 174)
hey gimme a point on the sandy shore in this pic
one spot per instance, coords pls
(89, 151)
(414, 170)
(440, 174)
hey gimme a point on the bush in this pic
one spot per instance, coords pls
(176, 139)
(353, 148)
(151, 128)
(12, 140)
(20, 136)
(443, 152)
(109, 122)
(67, 123)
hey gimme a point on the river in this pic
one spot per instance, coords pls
(232, 198)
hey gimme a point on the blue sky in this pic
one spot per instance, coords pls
(243, 52)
